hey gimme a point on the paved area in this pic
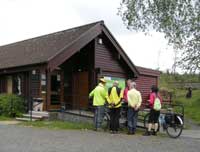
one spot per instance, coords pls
(195, 134)
(26, 139)
(11, 122)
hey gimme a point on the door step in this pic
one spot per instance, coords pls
(33, 116)
(44, 114)
(25, 119)
(36, 116)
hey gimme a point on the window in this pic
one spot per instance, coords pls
(17, 85)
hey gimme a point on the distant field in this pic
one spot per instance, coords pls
(192, 106)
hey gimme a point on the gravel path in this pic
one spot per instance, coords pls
(25, 139)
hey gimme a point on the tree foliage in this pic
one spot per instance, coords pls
(179, 20)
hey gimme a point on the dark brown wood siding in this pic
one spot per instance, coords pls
(108, 60)
(25, 84)
(144, 84)
(3, 84)
(35, 84)
(114, 74)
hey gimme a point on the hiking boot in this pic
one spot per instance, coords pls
(130, 133)
(99, 129)
(154, 133)
(111, 131)
(147, 133)
(115, 132)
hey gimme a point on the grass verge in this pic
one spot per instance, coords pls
(4, 118)
(58, 125)
(61, 125)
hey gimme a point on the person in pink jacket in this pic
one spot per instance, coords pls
(154, 114)
(128, 82)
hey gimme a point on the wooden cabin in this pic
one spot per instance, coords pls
(62, 67)
(146, 79)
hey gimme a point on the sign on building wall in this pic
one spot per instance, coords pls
(111, 80)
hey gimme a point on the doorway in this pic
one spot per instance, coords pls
(56, 89)
(80, 90)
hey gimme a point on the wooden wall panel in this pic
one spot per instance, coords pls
(106, 59)
(25, 84)
(144, 84)
(35, 84)
(3, 84)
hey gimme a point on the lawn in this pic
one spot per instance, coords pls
(192, 105)
(5, 118)
(58, 125)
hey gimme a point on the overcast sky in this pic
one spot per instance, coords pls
(23, 19)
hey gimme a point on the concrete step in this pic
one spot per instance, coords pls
(40, 113)
(33, 116)
(25, 119)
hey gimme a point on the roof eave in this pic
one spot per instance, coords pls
(22, 68)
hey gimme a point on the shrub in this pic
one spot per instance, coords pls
(11, 105)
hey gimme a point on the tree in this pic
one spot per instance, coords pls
(179, 20)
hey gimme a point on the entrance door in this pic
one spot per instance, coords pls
(80, 90)
(56, 89)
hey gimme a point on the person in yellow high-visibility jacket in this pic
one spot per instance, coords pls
(115, 95)
(99, 95)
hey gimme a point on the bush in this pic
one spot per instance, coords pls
(11, 105)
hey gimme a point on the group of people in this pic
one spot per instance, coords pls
(115, 96)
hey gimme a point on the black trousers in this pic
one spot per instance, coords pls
(153, 116)
(114, 119)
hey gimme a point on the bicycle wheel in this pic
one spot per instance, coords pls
(174, 130)
(106, 122)
(146, 119)
(123, 119)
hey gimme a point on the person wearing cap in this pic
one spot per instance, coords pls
(99, 95)
(115, 95)
(134, 103)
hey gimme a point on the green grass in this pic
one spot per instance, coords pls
(58, 125)
(192, 106)
(5, 118)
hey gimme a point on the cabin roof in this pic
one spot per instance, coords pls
(39, 49)
(148, 72)
(56, 47)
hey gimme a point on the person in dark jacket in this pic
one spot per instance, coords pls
(189, 93)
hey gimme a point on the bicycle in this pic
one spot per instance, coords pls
(170, 121)
(122, 118)
(106, 119)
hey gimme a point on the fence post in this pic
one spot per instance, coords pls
(31, 108)
(11, 107)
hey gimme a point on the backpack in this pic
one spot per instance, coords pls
(157, 104)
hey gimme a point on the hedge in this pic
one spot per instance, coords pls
(11, 105)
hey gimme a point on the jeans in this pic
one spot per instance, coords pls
(132, 119)
(114, 119)
(98, 116)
